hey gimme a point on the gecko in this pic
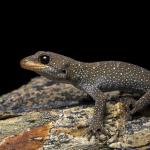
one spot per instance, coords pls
(94, 78)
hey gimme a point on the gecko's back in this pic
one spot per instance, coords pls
(116, 75)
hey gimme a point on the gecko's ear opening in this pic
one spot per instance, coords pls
(64, 71)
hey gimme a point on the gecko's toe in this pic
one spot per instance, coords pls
(97, 131)
(128, 116)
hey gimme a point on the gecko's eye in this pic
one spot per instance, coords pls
(44, 59)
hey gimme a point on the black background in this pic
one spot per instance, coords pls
(85, 33)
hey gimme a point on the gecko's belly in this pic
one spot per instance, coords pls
(122, 89)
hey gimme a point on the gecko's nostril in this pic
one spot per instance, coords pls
(23, 62)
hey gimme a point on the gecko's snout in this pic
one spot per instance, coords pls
(23, 63)
(31, 65)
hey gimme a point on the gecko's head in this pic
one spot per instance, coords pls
(48, 64)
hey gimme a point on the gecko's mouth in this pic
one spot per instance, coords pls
(30, 65)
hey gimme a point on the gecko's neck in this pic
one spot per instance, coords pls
(75, 72)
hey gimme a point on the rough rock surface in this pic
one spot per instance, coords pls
(45, 115)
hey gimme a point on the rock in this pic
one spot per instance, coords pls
(41, 94)
(35, 117)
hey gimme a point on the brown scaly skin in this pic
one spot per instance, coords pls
(94, 79)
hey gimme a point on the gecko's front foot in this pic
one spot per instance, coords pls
(96, 129)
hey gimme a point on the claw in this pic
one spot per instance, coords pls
(97, 131)
(105, 132)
